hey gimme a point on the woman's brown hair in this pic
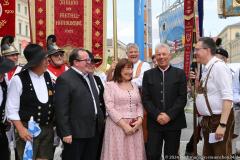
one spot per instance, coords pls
(124, 62)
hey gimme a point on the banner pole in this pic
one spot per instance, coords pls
(115, 52)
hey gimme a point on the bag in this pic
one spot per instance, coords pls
(210, 123)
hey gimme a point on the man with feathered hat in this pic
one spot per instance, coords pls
(5, 66)
(9, 51)
(30, 94)
(55, 58)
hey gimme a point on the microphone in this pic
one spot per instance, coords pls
(193, 68)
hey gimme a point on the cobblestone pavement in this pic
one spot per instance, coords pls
(186, 134)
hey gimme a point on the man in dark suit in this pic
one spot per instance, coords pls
(100, 89)
(164, 98)
(79, 118)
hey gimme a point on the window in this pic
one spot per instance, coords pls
(19, 7)
(25, 11)
(26, 30)
(19, 28)
(237, 35)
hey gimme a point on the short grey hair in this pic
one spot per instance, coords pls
(163, 45)
(131, 45)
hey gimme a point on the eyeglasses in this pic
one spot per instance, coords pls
(197, 49)
(86, 60)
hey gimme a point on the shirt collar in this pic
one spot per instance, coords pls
(163, 70)
(31, 73)
(212, 60)
(79, 72)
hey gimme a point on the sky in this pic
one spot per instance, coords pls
(125, 19)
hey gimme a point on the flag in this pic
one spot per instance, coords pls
(76, 24)
(34, 130)
(139, 26)
(189, 26)
(7, 18)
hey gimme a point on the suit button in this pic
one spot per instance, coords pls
(100, 104)
(46, 123)
(48, 118)
(161, 101)
(39, 113)
(39, 107)
(38, 119)
(49, 112)
(50, 105)
(161, 92)
(161, 83)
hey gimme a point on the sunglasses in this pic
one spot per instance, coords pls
(58, 55)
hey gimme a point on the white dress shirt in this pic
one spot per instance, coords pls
(15, 91)
(85, 76)
(219, 87)
(145, 67)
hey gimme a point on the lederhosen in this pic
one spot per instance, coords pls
(210, 124)
(4, 147)
(41, 112)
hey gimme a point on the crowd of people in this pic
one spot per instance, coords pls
(136, 114)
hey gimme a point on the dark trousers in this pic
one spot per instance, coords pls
(222, 149)
(4, 148)
(81, 149)
(171, 141)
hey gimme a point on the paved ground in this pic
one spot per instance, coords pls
(186, 134)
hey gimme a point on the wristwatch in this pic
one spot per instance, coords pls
(223, 125)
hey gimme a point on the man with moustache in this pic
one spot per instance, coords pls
(79, 118)
(9, 51)
(214, 101)
(55, 54)
(30, 94)
(56, 67)
(164, 98)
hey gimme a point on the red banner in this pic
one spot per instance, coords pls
(7, 18)
(69, 20)
(41, 23)
(97, 27)
(189, 26)
(76, 23)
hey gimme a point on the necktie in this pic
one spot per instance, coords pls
(94, 89)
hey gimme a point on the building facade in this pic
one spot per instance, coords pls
(121, 49)
(22, 27)
(231, 41)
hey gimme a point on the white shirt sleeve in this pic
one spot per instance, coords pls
(138, 81)
(13, 98)
(236, 87)
(224, 81)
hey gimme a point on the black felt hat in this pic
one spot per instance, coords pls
(34, 54)
(222, 52)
